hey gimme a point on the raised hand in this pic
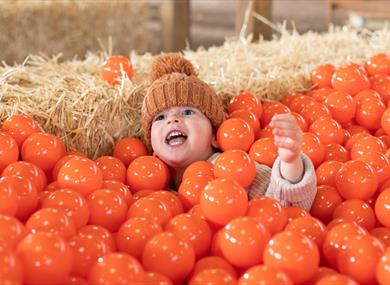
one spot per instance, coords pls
(288, 136)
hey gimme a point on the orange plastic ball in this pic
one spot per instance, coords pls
(369, 113)
(195, 231)
(321, 76)
(337, 238)
(235, 134)
(263, 274)
(80, 174)
(9, 197)
(11, 232)
(155, 278)
(27, 196)
(147, 172)
(9, 150)
(212, 276)
(309, 226)
(27, 170)
(170, 199)
(381, 84)
(152, 208)
(367, 94)
(382, 208)
(243, 242)
(360, 258)
(300, 102)
(326, 172)
(336, 152)
(356, 179)
(11, 269)
(115, 268)
(336, 278)
(378, 63)
(223, 200)
(134, 233)
(71, 202)
(264, 151)
(271, 110)
(128, 149)
(382, 234)
(301, 121)
(115, 68)
(199, 168)
(60, 163)
(287, 99)
(383, 268)
(315, 111)
(214, 262)
(294, 212)
(356, 211)
(216, 249)
(86, 250)
(321, 273)
(235, 165)
(169, 255)
(107, 209)
(328, 131)
(191, 188)
(246, 101)
(379, 162)
(120, 189)
(266, 132)
(341, 106)
(350, 79)
(320, 94)
(354, 138)
(294, 253)
(248, 117)
(365, 145)
(100, 232)
(20, 127)
(326, 200)
(45, 257)
(269, 212)
(385, 121)
(112, 168)
(51, 220)
(313, 148)
(43, 149)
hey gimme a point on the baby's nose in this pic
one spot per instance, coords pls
(173, 120)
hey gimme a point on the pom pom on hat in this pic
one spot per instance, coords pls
(170, 63)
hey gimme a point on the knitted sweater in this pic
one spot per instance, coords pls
(269, 182)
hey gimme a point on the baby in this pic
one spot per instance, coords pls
(180, 114)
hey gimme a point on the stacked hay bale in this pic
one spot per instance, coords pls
(71, 27)
(70, 99)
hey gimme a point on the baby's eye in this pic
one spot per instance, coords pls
(159, 118)
(188, 112)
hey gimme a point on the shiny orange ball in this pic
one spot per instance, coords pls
(147, 172)
(356, 180)
(235, 134)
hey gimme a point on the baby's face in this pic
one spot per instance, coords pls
(182, 135)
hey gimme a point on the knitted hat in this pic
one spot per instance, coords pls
(174, 84)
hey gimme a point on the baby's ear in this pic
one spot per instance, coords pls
(214, 142)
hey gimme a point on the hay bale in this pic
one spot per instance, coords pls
(70, 99)
(71, 27)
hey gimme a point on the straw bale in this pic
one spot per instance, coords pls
(71, 27)
(70, 99)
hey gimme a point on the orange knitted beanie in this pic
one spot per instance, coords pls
(174, 84)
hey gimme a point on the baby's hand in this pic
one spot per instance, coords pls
(288, 136)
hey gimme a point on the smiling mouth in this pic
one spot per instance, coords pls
(175, 138)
